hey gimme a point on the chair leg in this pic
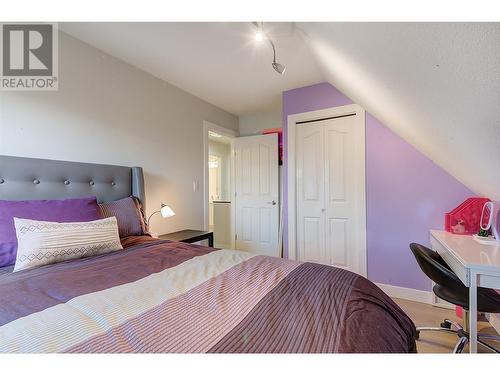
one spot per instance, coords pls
(479, 341)
(459, 348)
(485, 336)
(451, 323)
(462, 333)
(435, 329)
(481, 336)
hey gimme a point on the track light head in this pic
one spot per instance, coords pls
(279, 67)
(260, 35)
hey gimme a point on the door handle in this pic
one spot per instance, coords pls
(272, 202)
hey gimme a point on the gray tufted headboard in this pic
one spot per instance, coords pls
(27, 178)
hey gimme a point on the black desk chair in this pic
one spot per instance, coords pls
(450, 288)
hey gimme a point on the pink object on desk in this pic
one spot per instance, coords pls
(465, 218)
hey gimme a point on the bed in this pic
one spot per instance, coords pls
(160, 296)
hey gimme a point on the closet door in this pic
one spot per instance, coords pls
(310, 176)
(340, 189)
(329, 192)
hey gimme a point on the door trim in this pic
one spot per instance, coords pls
(360, 195)
(209, 126)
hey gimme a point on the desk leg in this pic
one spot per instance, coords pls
(211, 240)
(473, 313)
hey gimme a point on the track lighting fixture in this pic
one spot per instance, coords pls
(260, 35)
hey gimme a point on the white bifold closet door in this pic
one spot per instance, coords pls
(328, 176)
(257, 194)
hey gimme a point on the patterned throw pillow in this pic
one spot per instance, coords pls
(128, 213)
(59, 210)
(47, 242)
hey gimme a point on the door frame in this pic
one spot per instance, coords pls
(360, 195)
(210, 126)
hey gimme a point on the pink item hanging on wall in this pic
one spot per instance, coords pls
(465, 218)
(279, 131)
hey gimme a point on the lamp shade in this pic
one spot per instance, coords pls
(166, 211)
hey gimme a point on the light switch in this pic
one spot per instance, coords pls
(196, 185)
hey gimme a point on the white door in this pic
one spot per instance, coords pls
(311, 194)
(330, 178)
(257, 194)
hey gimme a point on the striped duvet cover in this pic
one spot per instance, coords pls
(160, 296)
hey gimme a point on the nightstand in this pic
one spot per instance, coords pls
(190, 236)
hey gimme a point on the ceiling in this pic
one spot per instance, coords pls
(436, 85)
(220, 63)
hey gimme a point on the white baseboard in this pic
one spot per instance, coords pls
(406, 293)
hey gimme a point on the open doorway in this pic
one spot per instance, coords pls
(216, 182)
(219, 178)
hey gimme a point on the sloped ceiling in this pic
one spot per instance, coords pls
(436, 85)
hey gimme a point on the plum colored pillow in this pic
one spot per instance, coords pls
(61, 211)
(128, 213)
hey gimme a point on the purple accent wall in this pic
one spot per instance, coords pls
(406, 193)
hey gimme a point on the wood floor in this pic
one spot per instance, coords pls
(438, 342)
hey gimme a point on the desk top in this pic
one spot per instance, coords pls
(469, 252)
(183, 235)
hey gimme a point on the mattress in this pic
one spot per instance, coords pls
(159, 296)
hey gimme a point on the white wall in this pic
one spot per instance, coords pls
(253, 124)
(107, 111)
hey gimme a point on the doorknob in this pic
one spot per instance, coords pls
(272, 202)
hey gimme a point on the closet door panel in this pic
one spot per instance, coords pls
(340, 190)
(337, 242)
(312, 248)
(311, 193)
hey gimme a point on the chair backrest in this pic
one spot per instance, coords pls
(434, 267)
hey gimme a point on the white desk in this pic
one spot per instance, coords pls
(475, 264)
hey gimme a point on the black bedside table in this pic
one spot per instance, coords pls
(189, 236)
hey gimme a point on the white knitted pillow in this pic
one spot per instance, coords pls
(46, 242)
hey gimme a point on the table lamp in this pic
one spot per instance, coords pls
(165, 211)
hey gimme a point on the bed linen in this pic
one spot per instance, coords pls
(162, 296)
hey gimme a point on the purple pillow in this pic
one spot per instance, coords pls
(128, 213)
(61, 211)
